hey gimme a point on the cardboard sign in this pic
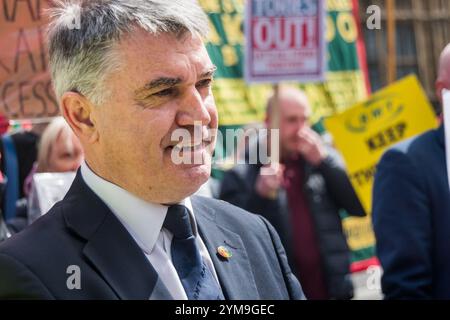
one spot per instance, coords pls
(25, 86)
(285, 40)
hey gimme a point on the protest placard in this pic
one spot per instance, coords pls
(285, 40)
(25, 86)
(362, 134)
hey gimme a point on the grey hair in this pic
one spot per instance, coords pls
(82, 55)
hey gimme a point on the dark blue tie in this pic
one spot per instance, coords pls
(197, 279)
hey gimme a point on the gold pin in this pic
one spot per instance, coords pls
(224, 252)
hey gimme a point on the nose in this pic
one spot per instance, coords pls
(193, 110)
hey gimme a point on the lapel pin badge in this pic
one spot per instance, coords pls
(224, 252)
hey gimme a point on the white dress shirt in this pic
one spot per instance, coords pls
(144, 220)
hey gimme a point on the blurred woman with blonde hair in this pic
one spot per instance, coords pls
(59, 148)
(59, 151)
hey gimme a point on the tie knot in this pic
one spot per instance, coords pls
(178, 221)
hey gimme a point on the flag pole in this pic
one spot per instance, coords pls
(275, 125)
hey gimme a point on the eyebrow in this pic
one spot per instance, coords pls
(161, 82)
(171, 82)
(209, 73)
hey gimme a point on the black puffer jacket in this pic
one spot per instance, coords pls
(327, 190)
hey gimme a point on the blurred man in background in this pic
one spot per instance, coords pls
(301, 198)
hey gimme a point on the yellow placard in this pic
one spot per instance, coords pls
(363, 132)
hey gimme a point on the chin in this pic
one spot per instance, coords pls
(188, 178)
(197, 175)
(194, 178)
(183, 190)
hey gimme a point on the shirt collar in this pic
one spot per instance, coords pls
(142, 219)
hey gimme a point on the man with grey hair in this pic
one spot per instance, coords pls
(132, 74)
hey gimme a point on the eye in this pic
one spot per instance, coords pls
(204, 83)
(164, 93)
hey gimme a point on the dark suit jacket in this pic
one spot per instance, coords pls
(411, 218)
(81, 230)
(327, 190)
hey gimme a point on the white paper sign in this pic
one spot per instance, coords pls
(47, 189)
(285, 40)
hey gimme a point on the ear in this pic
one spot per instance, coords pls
(78, 112)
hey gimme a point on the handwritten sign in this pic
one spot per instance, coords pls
(25, 87)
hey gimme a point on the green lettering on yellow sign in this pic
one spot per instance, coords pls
(378, 109)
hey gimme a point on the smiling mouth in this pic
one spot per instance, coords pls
(190, 147)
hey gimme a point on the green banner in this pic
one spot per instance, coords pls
(239, 103)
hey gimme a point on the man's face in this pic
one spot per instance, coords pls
(164, 84)
(294, 117)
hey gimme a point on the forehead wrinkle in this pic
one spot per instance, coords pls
(189, 67)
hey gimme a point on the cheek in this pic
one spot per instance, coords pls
(287, 131)
(212, 110)
(66, 165)
(59, 164)
(147, 132)
(53, 160)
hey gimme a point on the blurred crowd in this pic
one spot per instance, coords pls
(24, 154)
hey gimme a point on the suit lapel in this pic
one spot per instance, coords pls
(109, 246)
(120, 261)
(235, 274)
